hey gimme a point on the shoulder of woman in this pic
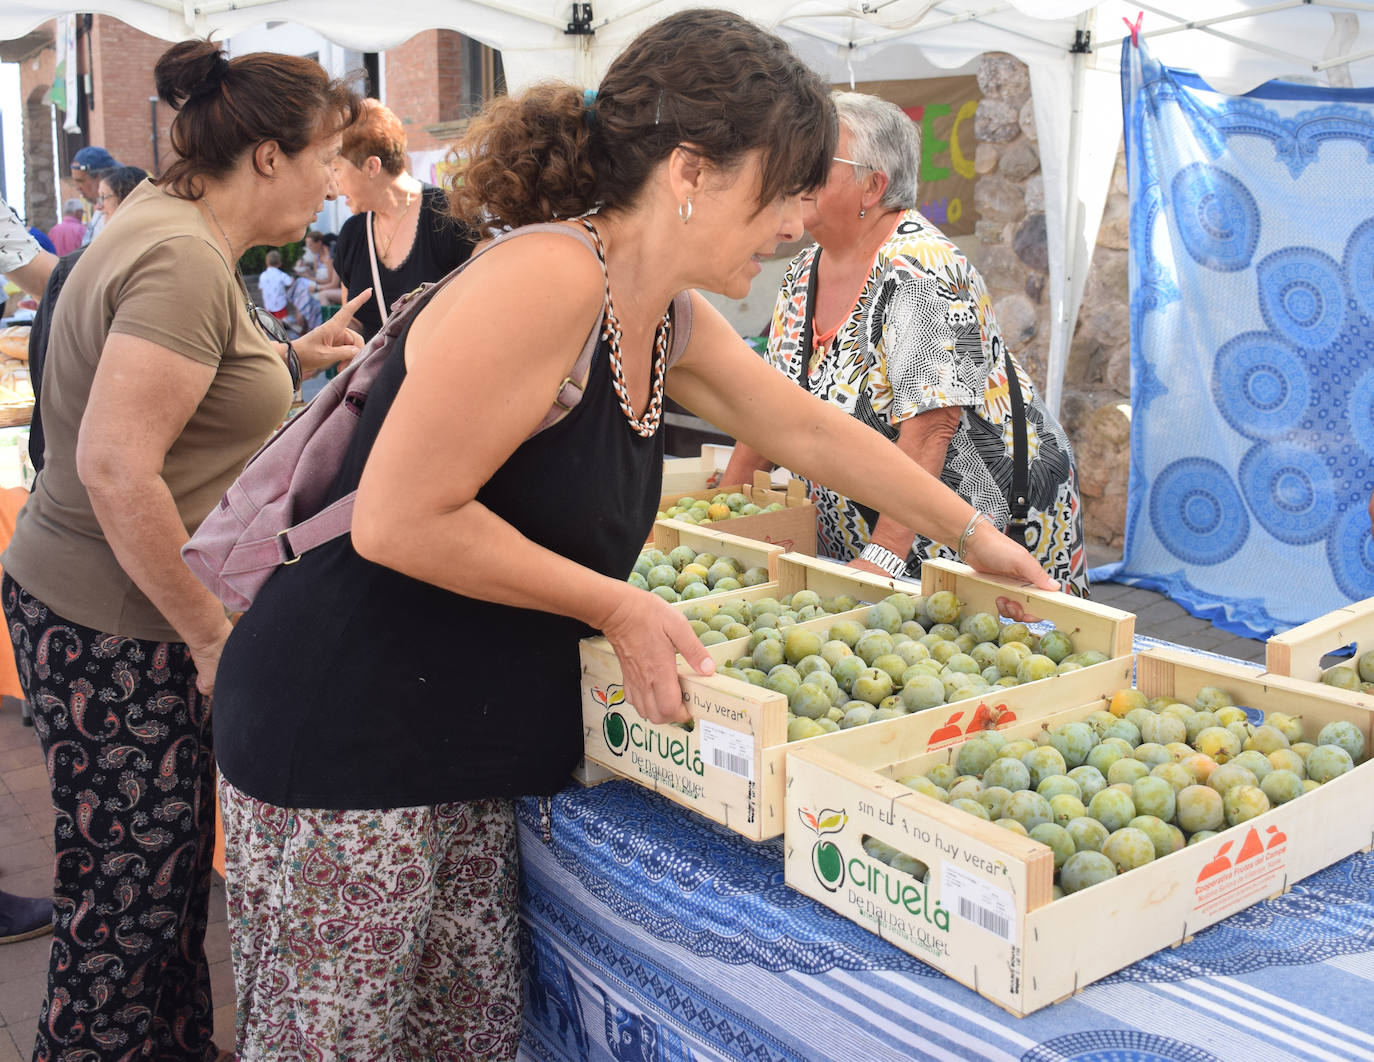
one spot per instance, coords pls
(505, 278)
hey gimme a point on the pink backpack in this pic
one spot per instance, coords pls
(274, 511)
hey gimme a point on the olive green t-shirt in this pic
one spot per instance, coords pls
(155, 272)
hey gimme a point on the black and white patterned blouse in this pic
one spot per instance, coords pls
(922, 336)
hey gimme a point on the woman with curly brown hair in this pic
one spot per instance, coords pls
(159, 385)
(400, 234)
(389, 694)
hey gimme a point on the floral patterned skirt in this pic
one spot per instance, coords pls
(373, 935)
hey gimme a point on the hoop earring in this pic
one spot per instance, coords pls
(685, 215)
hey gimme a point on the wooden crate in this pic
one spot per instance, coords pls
(750, 552)
(687, 474)
(1299, 652)
(793, 527)
(730, 767)
(987, 917)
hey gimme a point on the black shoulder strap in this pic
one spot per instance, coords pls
(1020, 475)
(808, 325)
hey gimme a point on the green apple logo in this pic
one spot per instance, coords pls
(616, 733)
(826, 861)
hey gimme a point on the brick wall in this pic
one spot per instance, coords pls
(122, 120)
(120, 61)
(424, 84)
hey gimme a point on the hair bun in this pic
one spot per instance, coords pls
(214, 77)
(190, 70)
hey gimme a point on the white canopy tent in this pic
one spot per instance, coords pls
(1071, 47)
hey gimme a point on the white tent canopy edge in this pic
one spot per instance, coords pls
(1071, 47)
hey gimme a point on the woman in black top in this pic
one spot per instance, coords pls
(414, 238)
(385, 698)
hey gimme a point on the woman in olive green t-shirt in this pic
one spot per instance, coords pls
(159, 385)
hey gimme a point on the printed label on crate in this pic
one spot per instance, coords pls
(893, 901)
(727, 749)
(957, 727)
(978, 901)
(1238, 876)
(664, 754)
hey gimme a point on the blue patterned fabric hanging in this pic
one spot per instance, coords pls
(1252, 347)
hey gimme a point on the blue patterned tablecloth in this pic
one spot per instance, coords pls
(654, 935)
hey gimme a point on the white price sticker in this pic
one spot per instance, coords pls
(978, 901)
(730, 750)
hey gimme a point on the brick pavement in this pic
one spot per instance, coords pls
(26, 820)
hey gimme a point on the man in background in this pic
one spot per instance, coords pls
(68, 233)
(86, 167)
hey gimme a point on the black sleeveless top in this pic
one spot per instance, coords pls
(348, 685)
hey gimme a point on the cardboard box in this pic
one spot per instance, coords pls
(986, 917)
(730, 766)
(1299, 652)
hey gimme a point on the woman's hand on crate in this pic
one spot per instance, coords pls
(993, 553)
(647, 635)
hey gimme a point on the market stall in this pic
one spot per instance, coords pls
(651, 933)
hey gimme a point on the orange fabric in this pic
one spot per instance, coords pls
(11, 501)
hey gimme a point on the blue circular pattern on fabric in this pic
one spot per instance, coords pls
(1197, 512)
(1217, 217)
(1116, 1045)
(1290, 491)
(1359, 266)
(1260, 385)
(1359, 412)
(1350, 552)
(1302, 296)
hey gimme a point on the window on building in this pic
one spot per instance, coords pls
(483, 75)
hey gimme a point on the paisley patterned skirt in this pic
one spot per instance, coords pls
(127, 739)
(373, 935)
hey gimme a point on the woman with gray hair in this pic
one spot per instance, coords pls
(898, 330)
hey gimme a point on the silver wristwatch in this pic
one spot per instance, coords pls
(884, 559)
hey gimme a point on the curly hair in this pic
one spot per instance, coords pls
(229, 106)
(704, 77)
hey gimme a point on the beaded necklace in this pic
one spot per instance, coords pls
(646, 425)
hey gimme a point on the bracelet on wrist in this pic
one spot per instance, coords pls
(961, 550)
(884, 558)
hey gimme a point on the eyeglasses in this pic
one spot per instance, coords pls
(851, 162)
(108, 195)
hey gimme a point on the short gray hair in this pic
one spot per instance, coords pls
(73, 206)
(883, 138)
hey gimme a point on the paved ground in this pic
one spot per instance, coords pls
(26, 819)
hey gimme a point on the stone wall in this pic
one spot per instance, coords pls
(1014, 259)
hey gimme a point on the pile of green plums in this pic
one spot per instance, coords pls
(722, 506)
(904, 654)
(1139, 778)
(683, 574)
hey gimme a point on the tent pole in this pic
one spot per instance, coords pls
(1066, 313)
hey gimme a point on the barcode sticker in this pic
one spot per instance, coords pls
(730, 750)
(978, 901)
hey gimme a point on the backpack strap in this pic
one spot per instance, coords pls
(336, 518)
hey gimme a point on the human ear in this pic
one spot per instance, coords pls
(687, 171)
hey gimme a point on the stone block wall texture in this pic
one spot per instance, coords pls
(1014, 260)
